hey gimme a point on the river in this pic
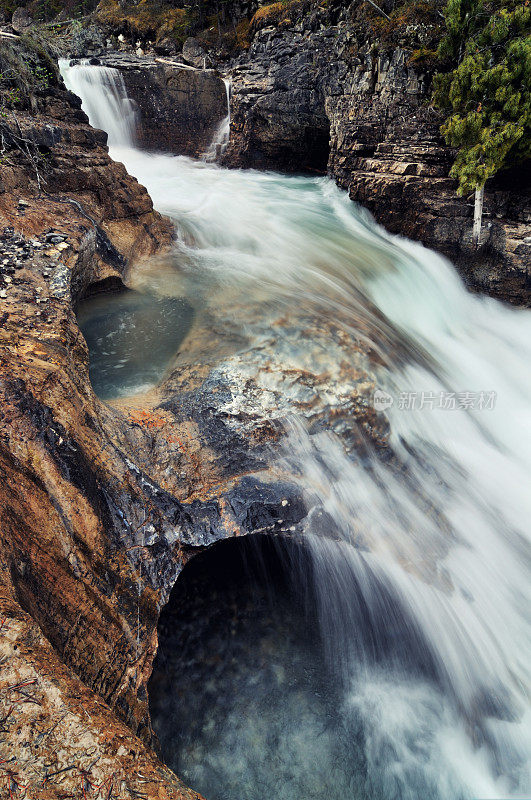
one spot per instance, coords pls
(423, 593)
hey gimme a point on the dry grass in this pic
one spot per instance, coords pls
(277, 14)
(148, 19)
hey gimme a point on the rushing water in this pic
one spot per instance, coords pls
(220, 140)
(423, 595)
(105, 99)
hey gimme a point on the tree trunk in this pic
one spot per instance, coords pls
(478, 213)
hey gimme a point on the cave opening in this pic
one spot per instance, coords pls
(242, 699)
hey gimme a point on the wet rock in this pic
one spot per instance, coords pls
(92, 219)
(180, 107)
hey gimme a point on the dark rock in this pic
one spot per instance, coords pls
(21, 20)
(180, 107)
(194, 54)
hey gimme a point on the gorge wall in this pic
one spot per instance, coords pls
(71, 221)
(102, 505)
(324, 91)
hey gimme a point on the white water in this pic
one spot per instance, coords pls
(220, 140)
(105, 100)
(425, 596)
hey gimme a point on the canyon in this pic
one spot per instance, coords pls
(104, 504)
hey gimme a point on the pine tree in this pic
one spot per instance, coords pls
(487, 94)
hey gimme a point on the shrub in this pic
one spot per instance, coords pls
(487, 93)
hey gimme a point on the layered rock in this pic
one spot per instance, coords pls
(59, 738)
(102, 505)
(315, 76)
(278, 116)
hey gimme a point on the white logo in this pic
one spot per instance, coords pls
(382, 400)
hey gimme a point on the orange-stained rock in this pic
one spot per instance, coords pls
(58, 737)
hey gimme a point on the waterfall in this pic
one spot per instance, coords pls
(220, 140)
(423, 589)
(104, 100)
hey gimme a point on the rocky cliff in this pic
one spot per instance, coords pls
(325, 90)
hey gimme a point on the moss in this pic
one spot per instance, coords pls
(147, 19)
(277, 13)
(425, 58)
(243, 34)
(27, 71)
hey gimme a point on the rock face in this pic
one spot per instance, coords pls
(278, 111)
(180, 107)
(314, 92)
(58, 737)
(386, 150)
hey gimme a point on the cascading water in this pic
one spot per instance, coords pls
(423, 590)
(221, 137)
(105, 100)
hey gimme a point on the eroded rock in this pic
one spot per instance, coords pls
(317, 90)
(180, 107)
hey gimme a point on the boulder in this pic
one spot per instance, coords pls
(165, 47)
(21, 20)
(194, 54)
(87, 42)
